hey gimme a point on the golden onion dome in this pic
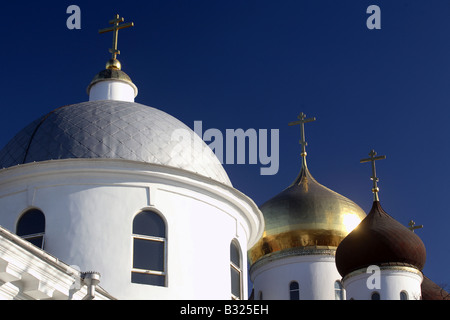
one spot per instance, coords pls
(305, 214)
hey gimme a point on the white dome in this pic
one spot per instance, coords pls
(112, 130)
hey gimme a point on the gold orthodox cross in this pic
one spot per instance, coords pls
(412, 226)
(372, 159)
(115, 28)
(303, 142)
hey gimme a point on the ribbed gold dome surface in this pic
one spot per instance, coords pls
(305, 214)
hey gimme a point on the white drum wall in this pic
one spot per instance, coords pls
(392, 281)
(315, 274)
(89, 206)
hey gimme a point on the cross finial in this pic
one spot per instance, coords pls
(303, 142)
(374, 178)
(115, 29)
(412, 226)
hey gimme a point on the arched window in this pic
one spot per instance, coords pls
(31, 227)
(403, 295)
(236, 270)
(294, 291)
(338, 291)
(149, 249)
(375, 296)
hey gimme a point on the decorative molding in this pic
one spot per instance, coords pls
(27, 272)
(325, 251)
(392, 266)
(138, 174)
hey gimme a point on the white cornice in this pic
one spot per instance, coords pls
(27, 272)
(137, 172)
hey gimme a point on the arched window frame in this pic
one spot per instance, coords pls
(375, 296)
(294, 290)
(338, 290)
(404, 295)
(37, 236)
(150, 276)
(236, 271)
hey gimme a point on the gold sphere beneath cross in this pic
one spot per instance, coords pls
(113, 64)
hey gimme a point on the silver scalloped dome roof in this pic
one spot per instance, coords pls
(114, 130)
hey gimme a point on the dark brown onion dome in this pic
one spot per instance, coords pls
(379, 239)
(432, 291)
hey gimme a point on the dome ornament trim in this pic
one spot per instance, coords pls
(314, 250)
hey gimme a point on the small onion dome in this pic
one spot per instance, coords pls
(112, 74)
(431, 291)
(305, 214)
(379, 239)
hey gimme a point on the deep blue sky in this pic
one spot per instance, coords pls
(258, 64)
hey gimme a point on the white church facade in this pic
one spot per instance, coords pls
(99, 201)
(120, 197)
